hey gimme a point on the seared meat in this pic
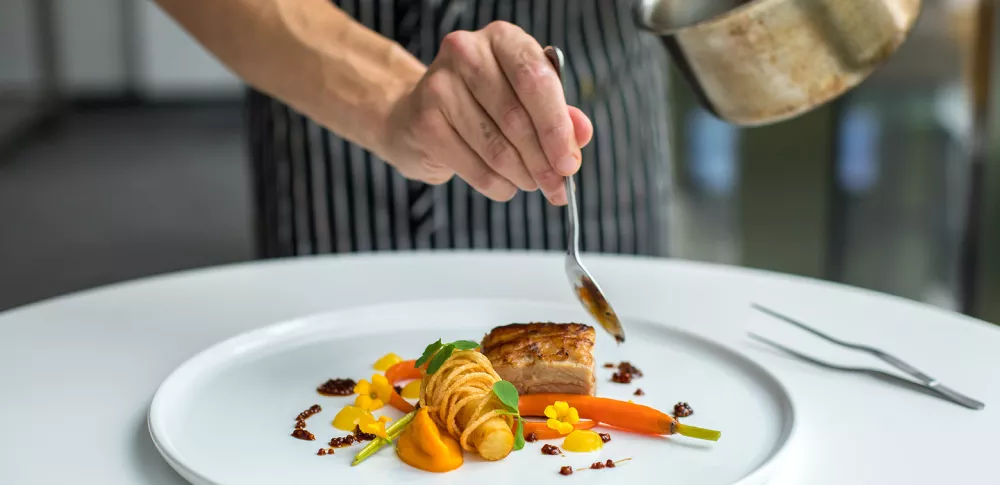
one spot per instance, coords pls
(544, 357)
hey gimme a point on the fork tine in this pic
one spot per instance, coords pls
(807, 328)
(799, 354)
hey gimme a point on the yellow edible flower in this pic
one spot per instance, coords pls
(372, 395)
(368, 424)
(349, 417)
(561, 417)
(387, 361)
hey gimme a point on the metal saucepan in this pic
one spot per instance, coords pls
(755, 62)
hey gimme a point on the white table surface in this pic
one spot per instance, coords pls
(77, 372)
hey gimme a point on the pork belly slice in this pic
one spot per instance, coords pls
(544, 357)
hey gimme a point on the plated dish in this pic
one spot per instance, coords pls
(227, 415)
(480, 397)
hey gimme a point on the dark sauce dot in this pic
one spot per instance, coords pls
(566, 470)
(303, 435)
(682, 410)
(337, 387)
(605, 437)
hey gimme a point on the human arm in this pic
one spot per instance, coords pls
(489, 108)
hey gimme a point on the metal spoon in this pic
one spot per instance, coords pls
(584, 286)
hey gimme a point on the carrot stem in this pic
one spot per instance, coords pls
(699, 433)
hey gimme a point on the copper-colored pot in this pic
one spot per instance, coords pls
(755, 62)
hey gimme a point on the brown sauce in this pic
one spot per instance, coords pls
(308, 413)
(682, 410)
(531, 438)
(605, 437)
(360, 436)
(566, 470)
(639, 392)
(342, 441)
(337, 387)
(551, 450)
(303, 435)
(626, 372)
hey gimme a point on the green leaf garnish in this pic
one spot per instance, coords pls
(440, 358)
(428, 353)
(519, 434)
(507, 393)
(465, 345)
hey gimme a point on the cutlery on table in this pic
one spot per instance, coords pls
(923, 381)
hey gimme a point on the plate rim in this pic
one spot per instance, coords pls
(171, 455)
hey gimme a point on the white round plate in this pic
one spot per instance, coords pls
(226, 415)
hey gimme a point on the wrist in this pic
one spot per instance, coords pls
(363, 85)
(405, 71)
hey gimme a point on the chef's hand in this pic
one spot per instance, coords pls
(491, 109)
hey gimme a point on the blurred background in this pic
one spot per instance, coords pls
(122, 155)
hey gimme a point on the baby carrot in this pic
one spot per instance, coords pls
(620, 414)
(402, 371)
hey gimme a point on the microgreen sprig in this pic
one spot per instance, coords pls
(508, 396)
(437, 353)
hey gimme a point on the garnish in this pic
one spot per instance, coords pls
(561, 416)
(618, 414)
(373, 395)
(437, 353)
(392, 432)
(439, 359)
(507, 394)
(349, 417)
(368, 424)
(386, 361)
(411, 391)
(428, 353)
(581, 441)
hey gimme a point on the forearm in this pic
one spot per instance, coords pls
(309, 54)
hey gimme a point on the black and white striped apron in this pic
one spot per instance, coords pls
(316, 193)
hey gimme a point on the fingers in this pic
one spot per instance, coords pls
(472, 57)
(455, 137)
(582, 126)
(482, 134)
(539, 89)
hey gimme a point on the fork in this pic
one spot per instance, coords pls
(584, 286)
(927, 383)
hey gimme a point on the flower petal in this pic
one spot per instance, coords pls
(552, 424)
(562, 407)
(365, 402)
(381, 387)
(550, 412)
(376, 404)
(565, 428)
(362, 387)
(572, 417)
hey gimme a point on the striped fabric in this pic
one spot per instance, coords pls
(316, 193)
